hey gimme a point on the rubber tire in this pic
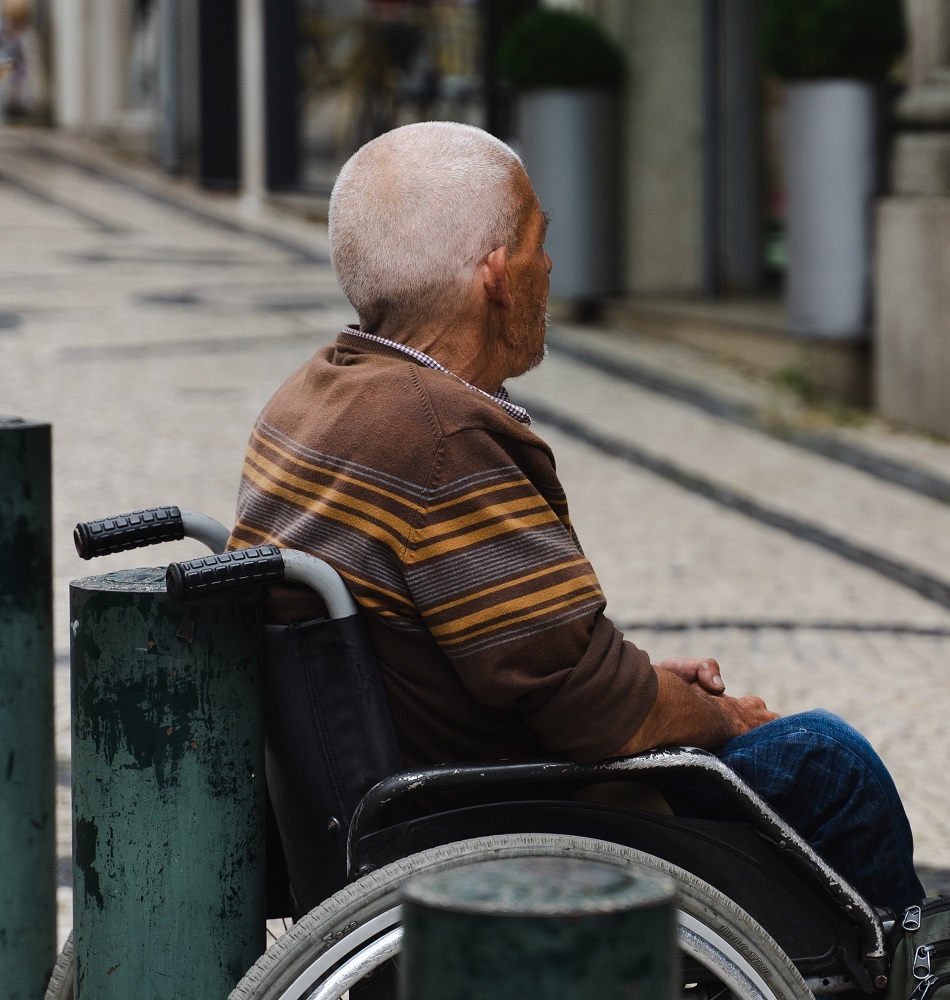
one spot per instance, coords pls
(61, 984)
(342, 915)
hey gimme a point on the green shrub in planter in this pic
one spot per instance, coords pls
(843, 39)
(551, 48)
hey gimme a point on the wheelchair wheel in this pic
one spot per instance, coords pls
(62, 984)
(61, 981)
(351, 940)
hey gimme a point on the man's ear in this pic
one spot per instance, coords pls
(495, 277)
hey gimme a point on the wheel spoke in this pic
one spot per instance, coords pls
(277, 927)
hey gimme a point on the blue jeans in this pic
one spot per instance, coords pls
(825, 780)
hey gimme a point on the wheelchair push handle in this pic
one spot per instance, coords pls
(187, 581)
(133, 530)
(150, 526)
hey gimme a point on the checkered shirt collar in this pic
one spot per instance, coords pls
(501, 397)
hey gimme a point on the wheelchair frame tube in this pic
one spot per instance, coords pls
(27, 745)
(205, 529)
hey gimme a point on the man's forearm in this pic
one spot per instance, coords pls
(686, 715)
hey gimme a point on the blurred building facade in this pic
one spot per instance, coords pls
(163, 77)
(158, 78)
(701, 198)
(695, 149)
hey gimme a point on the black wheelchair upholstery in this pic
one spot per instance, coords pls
(328, 740)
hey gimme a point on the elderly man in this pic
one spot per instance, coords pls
(397, 456)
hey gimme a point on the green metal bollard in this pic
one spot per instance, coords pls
(545, 928)
(168, 789)
(27, 751)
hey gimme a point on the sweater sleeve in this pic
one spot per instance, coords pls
(496, 573)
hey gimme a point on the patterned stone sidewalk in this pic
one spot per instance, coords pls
(148, 322)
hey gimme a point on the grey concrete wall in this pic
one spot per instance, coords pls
(661, 144)
(912, 295)
(70, 73)
(913, 312)
(929, 24)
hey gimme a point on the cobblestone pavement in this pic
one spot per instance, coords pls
(808, 551)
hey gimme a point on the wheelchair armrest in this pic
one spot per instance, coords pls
(566, 776)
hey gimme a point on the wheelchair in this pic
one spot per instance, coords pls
(760, 915)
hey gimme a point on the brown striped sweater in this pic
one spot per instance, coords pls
(446, 518)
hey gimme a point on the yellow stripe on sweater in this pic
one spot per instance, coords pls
(366, 484)
(514, 582)
(529, 605)
(365, 516)
(371, 590)
(333, 504)
(442, 547)
(293, 460)
(460, 641)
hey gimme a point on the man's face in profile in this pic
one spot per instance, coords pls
(529, 269)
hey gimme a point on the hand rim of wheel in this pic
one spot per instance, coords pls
(762, 972)
(739, 974)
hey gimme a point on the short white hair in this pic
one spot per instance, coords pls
(414, 212)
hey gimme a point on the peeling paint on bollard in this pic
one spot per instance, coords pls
(27, 758)
(168, 789)
(547, 928)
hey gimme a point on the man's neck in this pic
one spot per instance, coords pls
(457, 346)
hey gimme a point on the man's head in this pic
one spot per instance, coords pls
(415, 213)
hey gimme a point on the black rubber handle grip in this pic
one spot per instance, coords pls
(128, 531)
(195, 578)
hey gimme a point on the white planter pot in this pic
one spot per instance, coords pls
(830, 160)
(568, 140)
